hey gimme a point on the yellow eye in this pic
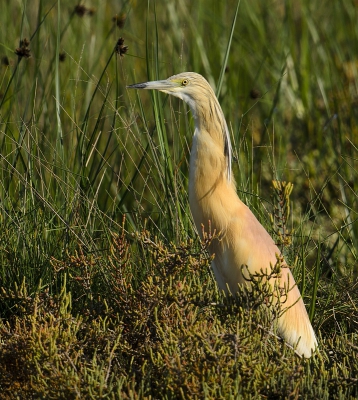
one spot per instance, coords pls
(184, 82)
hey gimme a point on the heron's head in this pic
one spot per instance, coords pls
(198, 94)
(188, 86)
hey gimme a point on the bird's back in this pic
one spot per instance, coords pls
(247, 248)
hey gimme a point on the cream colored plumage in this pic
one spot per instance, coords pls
(213, 197)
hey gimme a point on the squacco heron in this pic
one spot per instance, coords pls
(212, 197)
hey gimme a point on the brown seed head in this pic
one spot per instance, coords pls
(23, 50)
(120, 48)
(24, 43)
(80, 10)
(119, 20)
(5, 61)
(255, 94)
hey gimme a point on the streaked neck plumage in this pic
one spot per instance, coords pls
(209, 118)
(210, 162)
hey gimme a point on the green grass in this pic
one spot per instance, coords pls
(106, 291)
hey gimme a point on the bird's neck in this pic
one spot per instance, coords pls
(208, 179)
(210, 119)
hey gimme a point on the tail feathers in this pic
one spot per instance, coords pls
(295, 327)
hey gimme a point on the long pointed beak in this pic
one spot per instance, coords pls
(157, 85)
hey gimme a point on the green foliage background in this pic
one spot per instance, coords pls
(105, 289)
